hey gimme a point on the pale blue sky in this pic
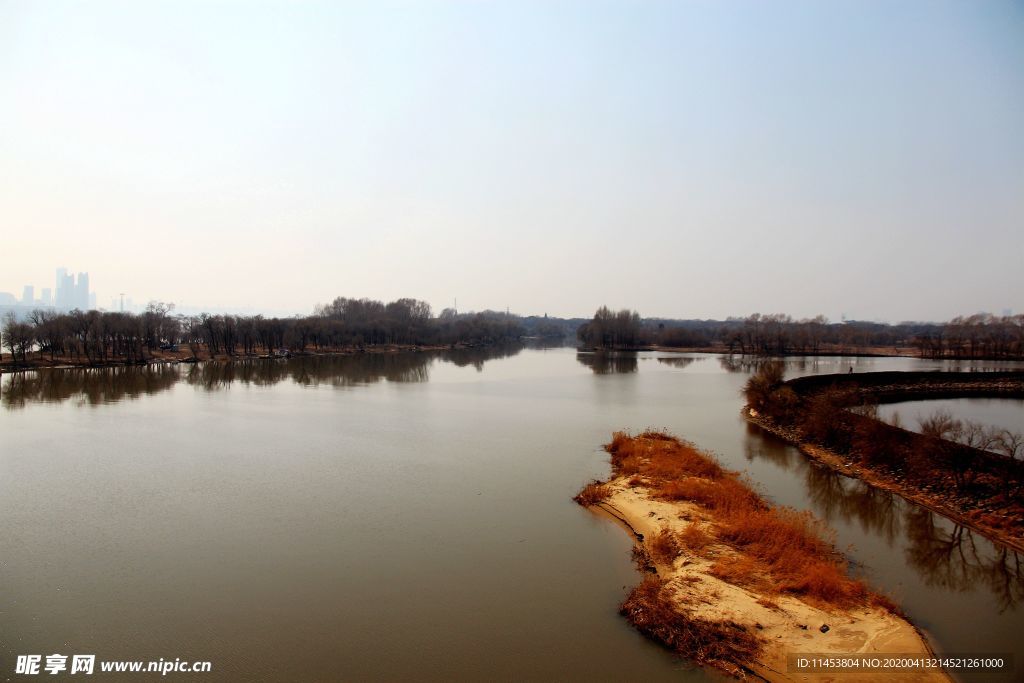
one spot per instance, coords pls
(688, 159)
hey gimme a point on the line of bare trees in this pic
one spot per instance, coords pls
(98, 337)
(941, 424)
(978, 336)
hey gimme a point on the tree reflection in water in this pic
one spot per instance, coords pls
(87, 386)
(954, 557)
(96, 386)
(801, 364)
(678, 361)
(609, 362)
(944, 554)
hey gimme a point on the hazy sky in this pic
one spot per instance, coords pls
(687, 159)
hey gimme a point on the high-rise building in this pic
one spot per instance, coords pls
(71, 294)
(82, 292)
(28, 295)
(65, 289)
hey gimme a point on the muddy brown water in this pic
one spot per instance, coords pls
(404, 517)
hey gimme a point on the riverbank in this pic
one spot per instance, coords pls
(974, 488)
(939, 501)
(732, 582)
(842, 352)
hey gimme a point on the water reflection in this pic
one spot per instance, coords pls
(955, 558)
(336, 371)
(944, 555)
(794, 366)
(478, 356)
(678, 362)
(834, 497)
(90, 387)
(608, 363)
(96, 386)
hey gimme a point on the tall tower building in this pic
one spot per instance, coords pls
(61, 294)
(82, 292)
(28, 295)
(65, 289)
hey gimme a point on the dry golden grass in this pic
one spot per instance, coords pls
(741, 570)
(778, 549)
(694, 538)
(650, 609)
(593, 493)
(665, 546)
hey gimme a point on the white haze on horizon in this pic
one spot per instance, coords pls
(686, 159)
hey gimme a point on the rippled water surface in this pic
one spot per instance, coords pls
(403, 516)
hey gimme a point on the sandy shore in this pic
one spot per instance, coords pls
(783, 625)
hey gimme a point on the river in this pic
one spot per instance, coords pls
(383, 517)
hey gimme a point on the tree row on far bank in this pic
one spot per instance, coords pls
(99, 337)
(976, 336)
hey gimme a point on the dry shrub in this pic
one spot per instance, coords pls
(774, 534)
(780, 549)
(724, 495)
(694, 538)
(824, 581)
(762, 383)
(740, 570)
(618, 440)
(659, 455)
(697, 490)
(792, 547)
(659, 435)
(665, 546)
(649, 608)
(642, 559)
(593, 493)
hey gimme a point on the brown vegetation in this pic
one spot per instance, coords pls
(665, 546)
(730, 580)
(780, 549)
(593, 493)
(956, 467)
(650, 609)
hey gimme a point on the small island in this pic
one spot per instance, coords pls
(731, 581)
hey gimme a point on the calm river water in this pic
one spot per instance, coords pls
(992, 413)
(405, 516)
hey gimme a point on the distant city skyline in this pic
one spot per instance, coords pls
(684, 159)
(71, 292)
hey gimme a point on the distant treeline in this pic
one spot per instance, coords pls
(97, 337)
(977, 336)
